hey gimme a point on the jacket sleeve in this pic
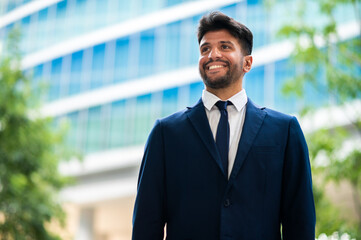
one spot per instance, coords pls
(149, 209)
(298, 216)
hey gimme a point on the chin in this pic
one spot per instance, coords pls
(217, 83)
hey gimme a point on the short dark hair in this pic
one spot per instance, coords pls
(217, 21)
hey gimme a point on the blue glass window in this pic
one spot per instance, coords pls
(194, 41)
(124, 9)
(95, 129)
(130, 114)
(118, 123)
(41, 30)
(150, 6)
(146, 53)
(11, 5)
(256, 22)
(38, 72)
(316, 93)
(97, 66)
(80, 17)
(230, 10)
(254, 84)
(54, 88)
(80, 2)
(25, 22)
(187, 41)
(101, 13)
(284, 71)
(61, 9)
(43, 14)
(195, 92)
(121, 60)
(253, 2)
(37, 79)
(143, 122)
(60, 27)
(76, 72)
(73, 137)
(172, 52)
(173, 2)
(169, 101)
(194, 58)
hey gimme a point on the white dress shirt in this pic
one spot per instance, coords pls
(236, 114)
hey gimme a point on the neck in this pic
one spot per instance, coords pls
(225, 93)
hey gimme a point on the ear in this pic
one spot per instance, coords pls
(247, 63)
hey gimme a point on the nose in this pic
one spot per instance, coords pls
(214, 54)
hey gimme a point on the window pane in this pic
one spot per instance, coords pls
(170, 97)
(283, 72)
(60, 27)
(146, 53)
(121, 60)
(54, 88)
(37, 80)
(94, 130)
(41, 30)
(195, 92)
(254, 84)
(73, 136)
(172, 54)
(75, 73)
(97, 66)
(143, 118)
(117, 124)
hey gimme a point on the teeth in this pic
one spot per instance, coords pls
(215, 66)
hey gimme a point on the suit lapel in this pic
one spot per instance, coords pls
(198, 118)
(252, 124)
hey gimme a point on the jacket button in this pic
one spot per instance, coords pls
(227, 203)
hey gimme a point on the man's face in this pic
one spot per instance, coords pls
(221, 59)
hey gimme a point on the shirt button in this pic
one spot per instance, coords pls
(227, 203)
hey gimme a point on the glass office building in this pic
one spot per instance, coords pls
(112, 67)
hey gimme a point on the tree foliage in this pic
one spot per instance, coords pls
(330, 65)
(29, 156)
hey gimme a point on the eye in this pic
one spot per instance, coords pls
(204, 49)
(225, 47)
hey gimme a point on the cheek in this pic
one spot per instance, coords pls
(237, 60)
(201, 61)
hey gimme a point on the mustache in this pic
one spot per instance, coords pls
(211, 61)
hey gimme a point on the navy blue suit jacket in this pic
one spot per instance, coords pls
(181, 182)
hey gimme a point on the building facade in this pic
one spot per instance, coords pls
(112, 67)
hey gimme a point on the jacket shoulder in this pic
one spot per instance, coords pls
(271, 114)
(181, 116)
(277, 115)
(174, 118)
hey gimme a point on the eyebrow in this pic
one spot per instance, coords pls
(229, 42)
(204, 44)
(207, 43)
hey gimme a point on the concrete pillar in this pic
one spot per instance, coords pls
(86, 225)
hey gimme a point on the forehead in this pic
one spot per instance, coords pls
(218, 36)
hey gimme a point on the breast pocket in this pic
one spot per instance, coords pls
(265, 149)
(270, 157)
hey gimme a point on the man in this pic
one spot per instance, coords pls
(225, 168)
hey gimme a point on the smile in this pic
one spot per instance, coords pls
(215, 67)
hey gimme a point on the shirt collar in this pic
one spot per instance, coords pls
(239, 100)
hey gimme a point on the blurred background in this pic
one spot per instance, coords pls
(112, 67)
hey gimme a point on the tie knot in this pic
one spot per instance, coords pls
(222, 105)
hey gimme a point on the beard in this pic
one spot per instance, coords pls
(232, 75)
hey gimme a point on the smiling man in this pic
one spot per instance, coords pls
(225, 168)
